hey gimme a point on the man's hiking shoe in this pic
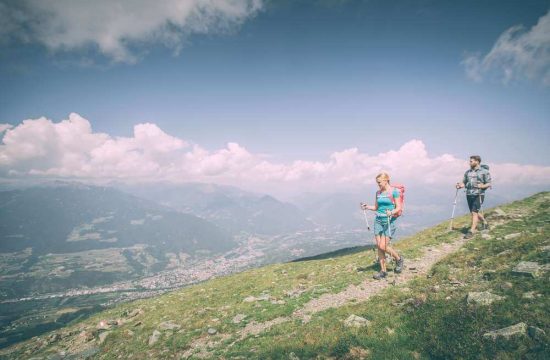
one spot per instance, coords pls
(399, 266)
(380, 275)
(485, 226)
(469, 235)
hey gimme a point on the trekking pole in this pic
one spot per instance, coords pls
(453, 214)
(481, 211)
(392, 260)
(366, 219)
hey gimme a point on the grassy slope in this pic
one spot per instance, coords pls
(426, 318)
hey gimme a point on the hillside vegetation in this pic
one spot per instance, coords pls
(484, 298)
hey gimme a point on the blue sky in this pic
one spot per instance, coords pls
(300, 80)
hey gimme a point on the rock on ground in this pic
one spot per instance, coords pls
(528, 268)
(356, 321)
(482, 298)
(154, 338)
(507, 333)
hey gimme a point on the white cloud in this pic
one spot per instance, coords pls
(517, 54)
(4, 127)
(117, 28)
(70, 149)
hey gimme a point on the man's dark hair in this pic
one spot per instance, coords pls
(476, 158)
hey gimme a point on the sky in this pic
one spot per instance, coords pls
(275, 95)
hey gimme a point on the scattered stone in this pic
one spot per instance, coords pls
(295, 292)
(103, 325)
(238, 318)
(212, 331)
(356, 321)
(529, 295)
(278, 302)
(168, 325)
(512, 236)
(263, 297)
(514, 331)
(53, 338)
(486, 237)
(545, 248)
(482, 298)
(249, 299)
(154, 338)
(86, 335)
(103, 336)
(505, 252)
(500, 212)
(86, 353)
(132, 313)
(292, 356)
(527, 268)
(129, 333)
(536, 334)
(358, 353)
(506, 285)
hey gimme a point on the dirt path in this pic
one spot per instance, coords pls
(370, 287)
(359, 293)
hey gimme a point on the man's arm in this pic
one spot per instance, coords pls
(486, 181)
(460, 185)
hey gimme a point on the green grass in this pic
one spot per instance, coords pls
(428, 318)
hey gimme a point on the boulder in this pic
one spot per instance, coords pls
(212, 331)
(168, 325)
(103, 336)
(154, 337)
(500, 212)
(482, 298)
(356, 321)
(536, 334)
(238, 318)
(512, 236)
(527, 268)
(515, 331)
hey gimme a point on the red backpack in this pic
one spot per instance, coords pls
(401, 189)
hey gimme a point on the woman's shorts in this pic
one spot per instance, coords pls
(474, 202)
(381, 226)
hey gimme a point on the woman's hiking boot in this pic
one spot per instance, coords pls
(399, 266)
(469, 235)
(380, 275)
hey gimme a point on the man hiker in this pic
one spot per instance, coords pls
(476, 181)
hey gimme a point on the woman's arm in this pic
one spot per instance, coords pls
(398, 205)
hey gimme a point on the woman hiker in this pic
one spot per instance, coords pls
(384, 229)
